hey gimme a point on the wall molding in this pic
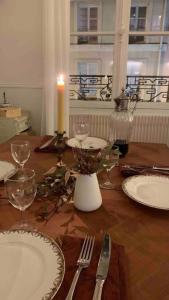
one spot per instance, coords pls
(21, 85)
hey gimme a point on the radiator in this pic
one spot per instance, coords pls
(147, 128)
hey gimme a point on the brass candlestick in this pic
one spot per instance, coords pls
(60, 144)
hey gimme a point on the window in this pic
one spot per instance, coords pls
(87, 20)
(87, 68)
(137, 22)
(118, 22)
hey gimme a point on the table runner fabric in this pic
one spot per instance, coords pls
(115, 286)
(49, 149)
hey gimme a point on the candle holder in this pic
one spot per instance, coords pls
(60, 144)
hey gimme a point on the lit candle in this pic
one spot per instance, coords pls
(60, 104)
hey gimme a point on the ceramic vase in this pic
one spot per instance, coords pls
(87, 195)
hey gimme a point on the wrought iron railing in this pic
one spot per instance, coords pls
(90, 87)
(150, 88)
(99, 87)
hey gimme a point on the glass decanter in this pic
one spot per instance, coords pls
(121, 123)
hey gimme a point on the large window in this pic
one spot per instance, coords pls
(128, 38)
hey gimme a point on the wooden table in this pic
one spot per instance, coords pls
(142, 230)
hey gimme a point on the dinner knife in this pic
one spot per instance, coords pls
(103, 266)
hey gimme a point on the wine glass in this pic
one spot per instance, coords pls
(20, 151)
(111, 160)
(21, 190)
(81, 131)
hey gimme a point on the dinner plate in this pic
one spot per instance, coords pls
(31, 266)
(7, 169)
(150, 190)
(89, 143)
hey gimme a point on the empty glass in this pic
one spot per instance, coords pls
(21, 190)
(20, 151)
(81, 131)
(111, 160)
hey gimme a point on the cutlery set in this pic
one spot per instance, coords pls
(133, 169)
(84, 261)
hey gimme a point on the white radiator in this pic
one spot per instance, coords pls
(147, 128)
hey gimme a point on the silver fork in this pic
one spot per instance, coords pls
(83, 262)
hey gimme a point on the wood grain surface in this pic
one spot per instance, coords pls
(143, 231)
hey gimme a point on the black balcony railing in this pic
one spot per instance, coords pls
(99, 87)
(150, 88)
(90, 87)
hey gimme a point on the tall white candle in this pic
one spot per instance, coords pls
(60, 104)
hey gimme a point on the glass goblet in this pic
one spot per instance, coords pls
(20, 151)
(111, 160)
(81, 131)
(21, 190)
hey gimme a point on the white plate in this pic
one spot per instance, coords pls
(31, 266)
(88, 143)
(7, 169)
(150, 190)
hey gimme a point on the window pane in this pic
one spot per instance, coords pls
(148, 68)
(136, 39)
(93, 40)
(142, 12)
(141, 24)
(93, 25)
(156, 14)
(83, 26)
(92, 48)
(133, 12)
(133, 24)
(93, 12)
(82, 19)
(83, 12)
(81, 68)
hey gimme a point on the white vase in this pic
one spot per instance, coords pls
(87, 196)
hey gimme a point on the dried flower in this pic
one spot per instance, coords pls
(55, 189)
(90, 161)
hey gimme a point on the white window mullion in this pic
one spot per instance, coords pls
(120, 54)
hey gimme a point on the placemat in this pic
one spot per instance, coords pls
(115, 286)
(50, 148)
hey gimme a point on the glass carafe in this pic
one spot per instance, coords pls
(121, 123)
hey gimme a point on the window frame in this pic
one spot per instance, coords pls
(122, 34)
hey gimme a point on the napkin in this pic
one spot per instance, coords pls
(50, 147)
(133, 169)
(115, 287)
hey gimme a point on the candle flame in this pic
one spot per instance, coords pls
(60, 80)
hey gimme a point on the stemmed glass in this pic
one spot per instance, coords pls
(20, 151)
(21, 190)
(81, 131)
(111, 160)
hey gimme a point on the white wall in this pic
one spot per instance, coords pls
(21, 55)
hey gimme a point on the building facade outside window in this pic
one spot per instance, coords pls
(147, 29)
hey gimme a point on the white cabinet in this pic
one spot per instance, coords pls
(10, 127)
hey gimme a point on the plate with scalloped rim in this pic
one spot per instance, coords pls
(89, 143)
(150, 190)
(7, 169)
(32, 266)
